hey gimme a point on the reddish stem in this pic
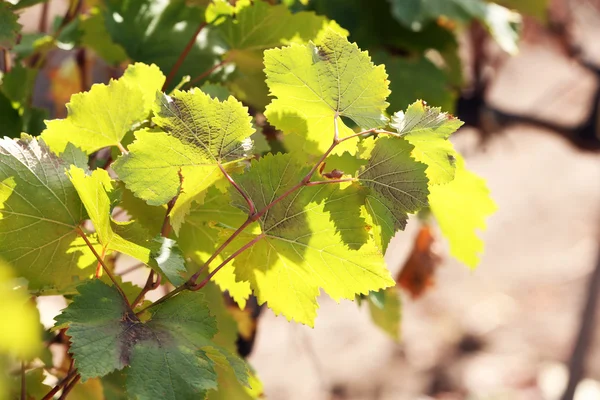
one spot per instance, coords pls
(59, 385)
(104, 266)
(99, 266)
(182, 56)
(239, 230)
(43, 23)
(226, 261)
(207, 73)
(251, 208)
(151, 284)
(69, 387)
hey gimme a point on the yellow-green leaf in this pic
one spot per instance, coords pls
(298, 249)
(102, 116)
(428, 129)
(315, 83)
(461, 208)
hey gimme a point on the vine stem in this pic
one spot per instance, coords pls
(69, 387)
(99, 266)
(7, 61)
(208, 72)
(251, 208)
(190, 284)
(59, 385)
(151, 284)
(226, 261)
(182, 56)
(122, 148)
(101, 261)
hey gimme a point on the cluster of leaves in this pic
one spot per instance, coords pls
(212, 206)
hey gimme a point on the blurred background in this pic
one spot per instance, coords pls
(522, 323)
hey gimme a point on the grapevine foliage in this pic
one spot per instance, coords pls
(210, 206)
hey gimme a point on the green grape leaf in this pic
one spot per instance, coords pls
(386, 310)
(157, 33)
(503, 24)
(34, 385)
(9, 27)
(97, 38)
(40, 211)
(397, 186)
(344, 162)
(313, 84)
(428, 130)
(170, 260)
(102, 116)
(461, 208)
(254, 28)
(173, 349)
(261, 26)
(298, 249)
(228, 385)
(93, 191)
(18, 84)
(12, 124)
(150, 217)
(199, 237)
(160, 253)
(413, 13)
(201, 133)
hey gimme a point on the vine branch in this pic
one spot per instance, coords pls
(69, 387)
(207, 73)
(251, 207)
(101, 261)
(59, 385)
(152, 283)
(182, 56)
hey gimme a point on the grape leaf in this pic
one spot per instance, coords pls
(97, 38)
(9, 27)
(260, 26)
(34, 386)
(386, 311)
(199, 238)
(228, 386)
(313, 84)
(503, 24)
(40, 212)
(201, 134)
(298, 249)
(428, 130)
(461, 208)
(102, 116)
(173, 349)
(398, 186)
(157, 33)
(257, 27)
